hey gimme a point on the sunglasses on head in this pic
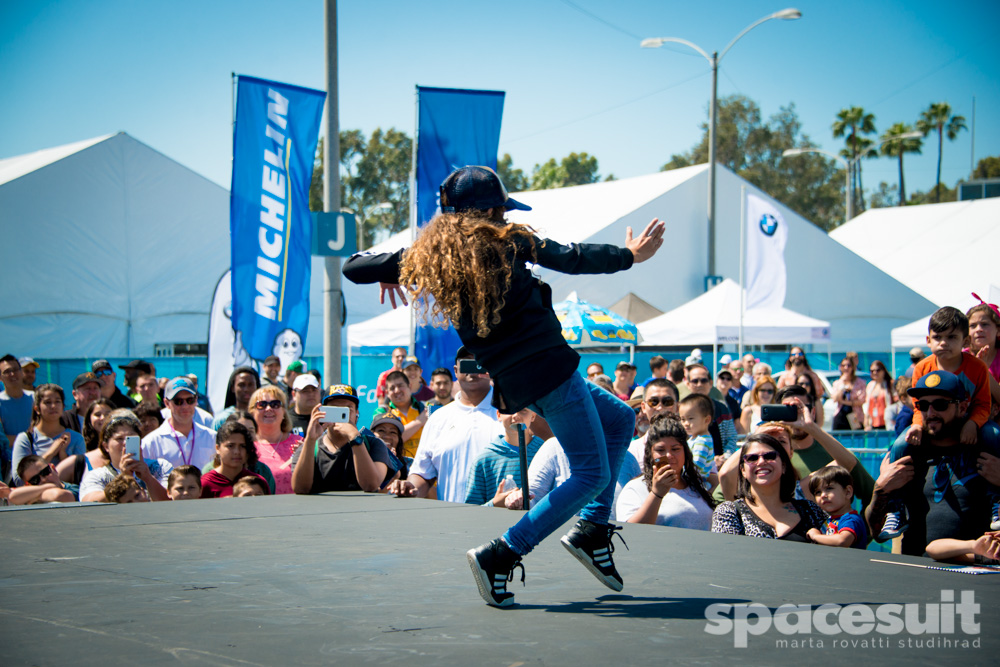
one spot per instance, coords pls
(939, 404)
(35, 480)
(104, 372)
(766, 456)
(274, 404)
(190, 400)
(657, 401)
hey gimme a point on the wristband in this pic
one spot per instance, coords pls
(655, 494)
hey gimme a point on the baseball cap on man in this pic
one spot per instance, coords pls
(476, 187)
(273, 359)
(177, 385)
(28, 362)
(305, 380)
(137, 364)
(341, 391)
(725, 360)
(938, 383)
(296, 367)
(100, 365)
(625, 364)
(84, 378)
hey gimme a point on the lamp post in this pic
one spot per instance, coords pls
(363, 218)
(713, 61)
(849, 164)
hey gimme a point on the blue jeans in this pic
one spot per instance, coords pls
(594, 429)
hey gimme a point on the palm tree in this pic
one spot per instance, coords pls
(892, 147)
(938, 117)
(854, 122)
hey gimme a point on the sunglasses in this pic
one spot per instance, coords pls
(765, 391)
(37, 479)
(699, 381)
(190, 400)
(939, 404)
(766, 456)
(726, 378)
(796, 354)
(104, 372)
(273, 404)
(656, 401)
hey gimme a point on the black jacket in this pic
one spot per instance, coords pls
(525, 353)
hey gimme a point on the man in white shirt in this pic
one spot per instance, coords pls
(180, 440)
(452, 439)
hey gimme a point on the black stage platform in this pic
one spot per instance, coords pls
(359, 579)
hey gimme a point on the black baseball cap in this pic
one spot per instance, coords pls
(137, 364)
(476, 187)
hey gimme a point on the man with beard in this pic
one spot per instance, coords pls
(946, 496)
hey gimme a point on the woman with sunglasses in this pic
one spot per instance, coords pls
(671, 490)
(48, 438)
(765, 504)
(152, 473)
(275, 441)
(879, 395)
(848, 397)
(761, 394)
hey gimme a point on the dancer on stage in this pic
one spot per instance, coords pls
(472, 262)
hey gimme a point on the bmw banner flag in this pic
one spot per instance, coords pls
(766, 236)
(455, 128)
(274, 146)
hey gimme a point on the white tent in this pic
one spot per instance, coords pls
(913, 334)
(110, 248)
(388, 329)
(714, 317)
(941, 251)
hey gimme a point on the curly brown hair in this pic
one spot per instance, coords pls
(464, 260)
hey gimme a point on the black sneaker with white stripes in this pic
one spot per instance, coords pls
(590, 543)
(493, 566)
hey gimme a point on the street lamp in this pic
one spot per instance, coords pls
(713, 61)
(849, 164)
(365, 214)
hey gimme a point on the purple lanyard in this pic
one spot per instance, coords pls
(186, 459)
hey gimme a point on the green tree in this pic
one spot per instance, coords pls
(809, 183)
(513, 179)
(852, 123)
(373, 171)
(574, 169)
(988, 167)
(938, 117)
(898, 149)
(885, 196)
(939, 193)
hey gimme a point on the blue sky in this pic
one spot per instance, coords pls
(575, 77)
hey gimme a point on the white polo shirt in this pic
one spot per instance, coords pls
(451, 440)
(197, 449)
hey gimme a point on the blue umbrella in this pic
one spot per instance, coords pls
(584, 324)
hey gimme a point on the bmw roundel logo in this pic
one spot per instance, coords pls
(768, 224)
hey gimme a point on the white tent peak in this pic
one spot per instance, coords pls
(714, 317)
(19, 165)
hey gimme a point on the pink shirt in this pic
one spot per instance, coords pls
(279, 459)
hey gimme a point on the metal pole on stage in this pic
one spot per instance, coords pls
(523, 456)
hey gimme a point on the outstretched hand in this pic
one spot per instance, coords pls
(647, 243)
(392, 290)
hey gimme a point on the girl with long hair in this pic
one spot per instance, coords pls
(671, 490)
(468, 266)
(878, 396)
(48, 438)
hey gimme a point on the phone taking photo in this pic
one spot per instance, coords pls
(779, 413)
(132, 446)
(333, 414)
(469, 367)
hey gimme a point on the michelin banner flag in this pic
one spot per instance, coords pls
(767, 234)
(274, 145)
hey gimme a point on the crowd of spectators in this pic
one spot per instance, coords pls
(938, 489)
